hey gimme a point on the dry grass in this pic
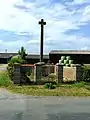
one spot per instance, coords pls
(62, 90)
(77, 89)
(3, 65)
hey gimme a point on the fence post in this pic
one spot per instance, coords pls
(17, 74)
(59, 72)
(38, 72)
(78, 72)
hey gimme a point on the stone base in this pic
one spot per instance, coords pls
(40, 63)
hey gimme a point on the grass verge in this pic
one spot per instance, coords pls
(4, 79)
(76, 89)
(61, 90)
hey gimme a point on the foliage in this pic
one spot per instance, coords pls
(70, 62)
(49, 86)
(16, 59)
(63, 57)
(30, 76)
(66, 61)
(10, 67)
(22, 53)
(4, 79)
(10, 70)
(68, 58)
(77, 89)
(52, 77)
(85, 74)
(79, 84)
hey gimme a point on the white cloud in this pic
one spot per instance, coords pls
(59, 19)
(80, 11)
(32, 46)
(80, 1)
(86, 14)
(87, 10)
(33, 42)
(22, 21)
(1, 41)
(85, 48)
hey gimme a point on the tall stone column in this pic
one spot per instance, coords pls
(59, 72)
(17, 74)
(38, 72)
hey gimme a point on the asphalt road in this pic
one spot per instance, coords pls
(19, 107)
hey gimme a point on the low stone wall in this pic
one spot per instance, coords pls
(20, 73)
(78, 72)
(63, 73)
(47, 69)
(17, 75)
(67, 74)
(27, 68)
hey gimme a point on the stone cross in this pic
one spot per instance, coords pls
(42, 23)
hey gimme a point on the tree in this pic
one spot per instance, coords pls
(22, 52)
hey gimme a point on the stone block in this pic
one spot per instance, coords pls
(78, 72)
(69, 74)
(38, 72)
(17, 74)
(59, 72)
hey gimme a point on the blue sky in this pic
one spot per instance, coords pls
(67, 28)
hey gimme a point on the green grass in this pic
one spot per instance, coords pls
(76, 89)
(4, 79)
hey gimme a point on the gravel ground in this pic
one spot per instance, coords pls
(3, 67)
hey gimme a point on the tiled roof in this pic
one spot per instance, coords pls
(29, 56)
(70, 52)
(33, 56)
(7, 55)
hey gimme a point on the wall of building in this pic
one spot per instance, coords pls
(4, 60)
(69, 74)
(77, 58)
(33, 61)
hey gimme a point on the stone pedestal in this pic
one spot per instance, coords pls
(59, 72)
(55, 69)
(17, 74)
(38, 72)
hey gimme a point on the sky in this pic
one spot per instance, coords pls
(67, 25)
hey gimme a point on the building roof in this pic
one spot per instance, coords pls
(29, 56)
(7, 55)
(33, 56)
(70, 52)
